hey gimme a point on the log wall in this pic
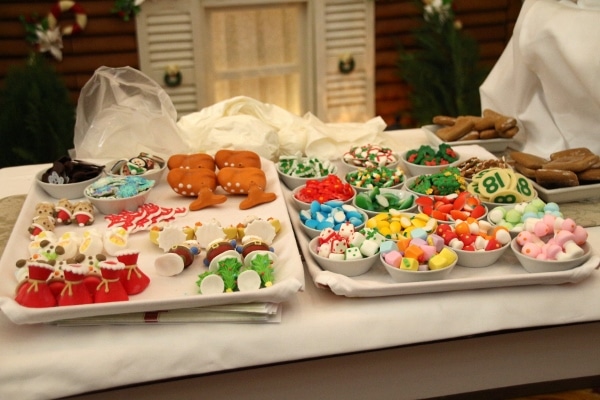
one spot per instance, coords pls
(110, 41)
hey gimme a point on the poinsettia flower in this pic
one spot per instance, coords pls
(437, 7)
(50, 40)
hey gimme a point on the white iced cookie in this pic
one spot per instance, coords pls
(212, 284)
(261, 228)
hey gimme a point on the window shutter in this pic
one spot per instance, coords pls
(344, 27)
(171, 32)
(165, 36)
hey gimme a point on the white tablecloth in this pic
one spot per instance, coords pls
(44, 361)
(548, 77)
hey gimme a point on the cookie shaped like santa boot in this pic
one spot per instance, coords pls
(133, 279)
(110, 287)
(35, 292)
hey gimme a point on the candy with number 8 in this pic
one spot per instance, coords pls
(502, 185)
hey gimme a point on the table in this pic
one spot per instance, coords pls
(394, 347)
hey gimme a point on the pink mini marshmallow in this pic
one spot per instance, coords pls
(551, 251)
(393, 258)
(531, 249)
(541, 229)
(527, 237)
(569, 225)
(563, 237)
(581, 235)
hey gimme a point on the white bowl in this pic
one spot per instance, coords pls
(293, 182)
(534, 265)
(66, 190)
(403, 195)
(111, 205)
(480, 258)
(451, 220)
(312, 233)
(416, 169)
(357, 163)
(301, 205)
(405, 276)
(154, 174)
(343, 267)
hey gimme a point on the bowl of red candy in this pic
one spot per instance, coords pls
(453, 207)
(322, 191)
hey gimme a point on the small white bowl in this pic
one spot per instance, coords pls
(301, 205)
(357, 163)
(405, 276)
(416, 169)
(343, 267)
(108, 205)
(312, 233)
(66, 190)
(480, 258)
(451, 220)
(403, 195)
(154, 174)
(293, 182)
(534, 265)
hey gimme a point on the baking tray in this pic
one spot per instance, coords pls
(378, 283)
(492, 145)
(568, 194)
(163, 293)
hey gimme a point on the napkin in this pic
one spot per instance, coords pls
(246, 123)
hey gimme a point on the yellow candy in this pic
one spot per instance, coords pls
(395, 227)
(442, 260)
(409, 264)
(382, 216)
(384, 230)
(371, 223)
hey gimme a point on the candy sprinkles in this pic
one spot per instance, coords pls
(311, 167)
(369, 156)
(376, 177)
(445, 182)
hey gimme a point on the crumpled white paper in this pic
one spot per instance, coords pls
(245, 123)
(122, 112)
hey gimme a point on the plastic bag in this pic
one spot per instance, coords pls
(122, 112)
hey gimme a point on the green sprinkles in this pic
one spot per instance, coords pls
(445, 182)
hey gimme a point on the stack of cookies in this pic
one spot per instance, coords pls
(565, 168)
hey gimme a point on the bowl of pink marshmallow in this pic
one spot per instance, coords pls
(551, 244)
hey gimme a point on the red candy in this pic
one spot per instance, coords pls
(452, 207)
(323, 190)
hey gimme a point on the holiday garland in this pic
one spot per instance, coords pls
(443, 72)
(46, 35)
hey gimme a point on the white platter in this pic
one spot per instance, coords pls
(378, 283)
(568, 194)
(492, 145)
(164, 293)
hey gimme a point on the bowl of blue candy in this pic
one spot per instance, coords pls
(112, 194)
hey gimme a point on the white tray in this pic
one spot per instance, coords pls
(377, 282)
(492, 145)
(568, 194)
(163, 293)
